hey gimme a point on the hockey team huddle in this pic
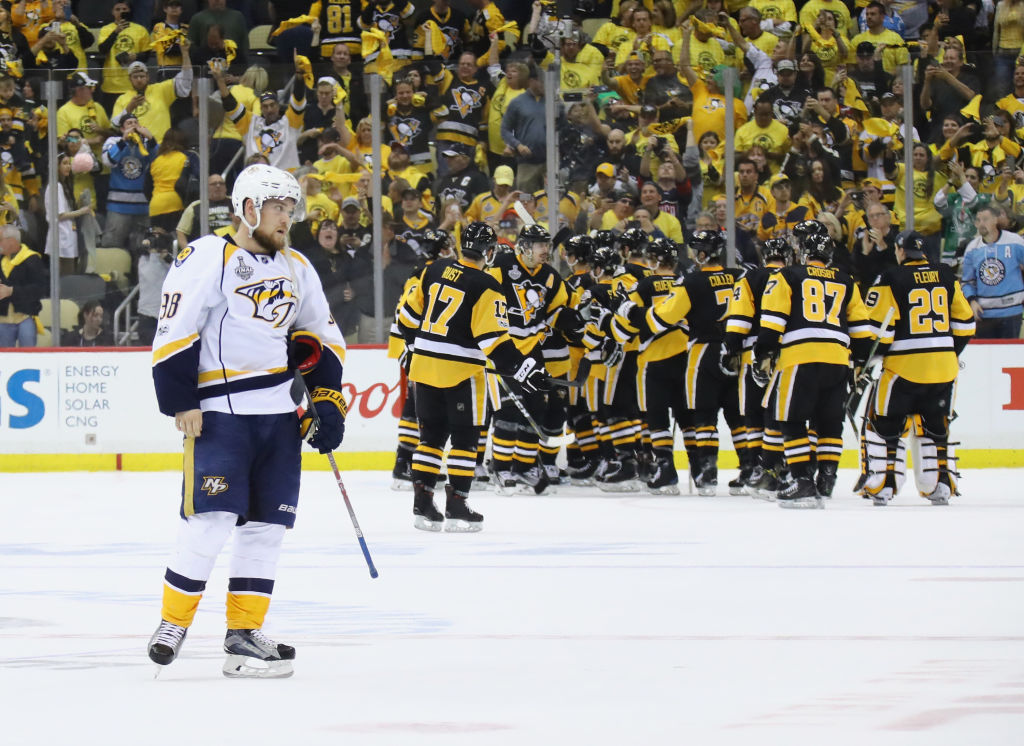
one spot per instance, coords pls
(637, 341)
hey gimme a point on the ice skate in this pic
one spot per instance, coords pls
(554, 474)
(504, 483)
(940, 495)
(459, 517)
(481, 477)
(533, 481)
(706, 481)
(582, 474)
(801, 493)
(427, 516)
(165, 644)
(665, 480)
(738, 486)
(826, 479)
(765, 486)
(253, 655)
(620, 476)
(401, 475)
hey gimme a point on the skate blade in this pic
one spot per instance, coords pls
(939, 500)
(506, 490)
(708, 491)
(880, 502)
(763, 495)
(668, 489)
(401, 485)
(425, 524)
(459, 526)
(802, 503)
(737, 491)
(630, 485)
(246, 667)
(588, 482)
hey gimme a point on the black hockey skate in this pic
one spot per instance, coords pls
(665, 480)
(763, 484)
(582, 474)
(825, 482)
(738, 486)
(428, 517)
(165, 644)
(459, 517)
(800, 493)
(253, 655)
(401, 475)
(533, 481)
(706, 480)
(620, 476)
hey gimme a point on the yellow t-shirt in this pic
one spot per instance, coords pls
(611, 36)
(90, 118)
(772, 9)
(166, 170)
(927, 219)
(809, 14)
(503, 96)
(892, 57)
(134, 40)
(321, 207)
(583, 72)
(669, 225)
(766, 42)
(161, 29)
(774, 138)
(153, 113)
(709, 111)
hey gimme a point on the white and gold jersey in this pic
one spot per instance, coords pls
(225, 318)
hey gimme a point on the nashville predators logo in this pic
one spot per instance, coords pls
(214, 485)
(530, 296)
(273, 299)
(267, 141)
(467, 100)
(404, 130)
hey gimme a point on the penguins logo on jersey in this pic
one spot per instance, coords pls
(992, 271)
(405, 130)
(273, 299)
(267, 141)
(531, 299)
(466, 99)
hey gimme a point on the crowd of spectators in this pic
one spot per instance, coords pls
(818, 99)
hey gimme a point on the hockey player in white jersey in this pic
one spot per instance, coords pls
(221, 368)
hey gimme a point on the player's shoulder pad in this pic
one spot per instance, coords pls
(207, 250)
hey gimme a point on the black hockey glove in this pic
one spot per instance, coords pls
(764, 366)
(532, 377)
(326, 431)
(571, 324)
(611, 353)
(728, 363)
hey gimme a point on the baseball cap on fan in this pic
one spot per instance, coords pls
(504, 175)
(80, 79)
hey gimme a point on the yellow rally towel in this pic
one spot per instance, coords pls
(230, 50)
(377, 54)
(292, 23)
(134, 137)
(973, 109)
(435, 42)
(852, 96)
(168, 38)
(708, 28)
(305, 67)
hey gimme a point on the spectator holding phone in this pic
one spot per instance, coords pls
(121, 43)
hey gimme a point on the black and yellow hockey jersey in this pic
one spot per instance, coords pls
(649, 292)
(814, 313)
(339, 24)
(455, 319)
(535, 298)
(744, 318)
(931, 324)
(702, 300)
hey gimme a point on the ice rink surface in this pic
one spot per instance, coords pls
(581, 618)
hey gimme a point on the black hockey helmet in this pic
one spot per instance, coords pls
(777, 250)
(580, 248)
(434, 243)
(817, 248)
(806, 228)
(478, 240)
(912, 244)
(604, 238)
(662, 251)
(606, 259)
(710, 244)
(633, 242)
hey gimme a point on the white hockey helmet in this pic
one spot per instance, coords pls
(259, 183)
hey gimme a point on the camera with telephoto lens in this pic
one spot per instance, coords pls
(163, 243)
(661, 148)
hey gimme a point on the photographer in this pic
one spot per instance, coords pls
(154, 262)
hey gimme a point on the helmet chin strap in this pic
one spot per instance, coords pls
(259, 217)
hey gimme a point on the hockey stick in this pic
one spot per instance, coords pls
(860, 384)
(581, 377)
(341, 484)
(556, 441)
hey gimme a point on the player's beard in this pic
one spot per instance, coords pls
(268, 240)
